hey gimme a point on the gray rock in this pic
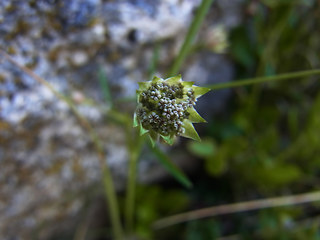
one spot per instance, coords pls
(48, 163)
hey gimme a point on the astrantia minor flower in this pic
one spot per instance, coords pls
(166, 108)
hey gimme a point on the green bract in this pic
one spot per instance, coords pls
(166, 108)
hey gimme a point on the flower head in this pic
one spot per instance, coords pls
(166, 108)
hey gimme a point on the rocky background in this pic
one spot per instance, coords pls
(49, 170)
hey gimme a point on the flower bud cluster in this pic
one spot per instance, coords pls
(164, 107)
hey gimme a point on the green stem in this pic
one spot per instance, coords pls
(279, 77)
(130, 199)
(109, 190)
(105, 86)
(134, 146)
(193, 29)
(112, 202)
(155, 59)
(238, 207)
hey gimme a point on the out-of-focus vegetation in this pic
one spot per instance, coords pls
(265, 144)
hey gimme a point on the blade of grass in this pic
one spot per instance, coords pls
(107, 178)
(82, 228)
(134, 146)
(171, 167)
(238, 207)
(244, 82)
(135, 143)
(103, 80)
(257, 80)
(192, 31)
(155, 59)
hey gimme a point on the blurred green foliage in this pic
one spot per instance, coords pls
(267, 142)
(154, 202)
(206, 229)
(264, 144)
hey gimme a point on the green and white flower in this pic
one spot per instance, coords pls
(166, 108)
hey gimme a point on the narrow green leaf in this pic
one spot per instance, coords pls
(187, 84)
(104, 84)
(155, 60)
(143, 86)
(174, 80)
(189, 38)
(135, 120)
(205, 148)
(285, 76)
(190, 132)
(168, 139)
(171, 167)
(143, 130)
(194, 116)
(137, 95)
(152, 141)
(156, 79)
(199, 91)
